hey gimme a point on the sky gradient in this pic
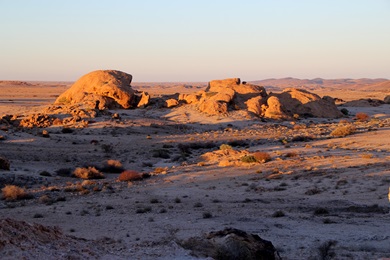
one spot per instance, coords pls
(195, 40)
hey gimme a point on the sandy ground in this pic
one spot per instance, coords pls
(313, 191)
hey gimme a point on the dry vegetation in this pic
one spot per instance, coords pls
(88, 173)
(294, 183)
(12, 192)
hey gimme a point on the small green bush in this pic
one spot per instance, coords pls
(344, 111)
(248, 159)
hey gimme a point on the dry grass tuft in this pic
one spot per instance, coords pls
(225, 147)
(88, 173)
(262, 157)
(12, 193)
(362, 117)
(342, 131)
(112, 166)
(130, 175)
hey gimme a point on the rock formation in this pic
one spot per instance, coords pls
(224, 95)
(103, 89)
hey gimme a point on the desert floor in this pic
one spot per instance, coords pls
(316, 189)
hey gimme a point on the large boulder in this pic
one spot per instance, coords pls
(216, 85)
(101, 89)
(304, 103)
(387, 99)
(275, 109)
(231, 244)
(213, 107)
(256, 105)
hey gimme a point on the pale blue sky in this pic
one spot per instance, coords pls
(195, 40)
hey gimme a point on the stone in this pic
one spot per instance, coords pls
(387, 99)
(171, 102)
(304, 103)
(101, 89)
(189, 98)
(275, 109)
(36, 120)
(213, 107)
(255, 105)
(231, 243)
(144, 100)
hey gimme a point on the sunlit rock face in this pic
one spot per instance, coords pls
(101, 89)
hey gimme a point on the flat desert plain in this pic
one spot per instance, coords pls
(318, 196)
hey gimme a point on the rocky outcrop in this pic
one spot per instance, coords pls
(303, 103)
(387, 99)
(231, 243)
(101, 89)
(144, 100)
(213, 107)
(221, 95)
(189, 98)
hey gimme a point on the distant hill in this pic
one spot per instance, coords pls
(319, 83)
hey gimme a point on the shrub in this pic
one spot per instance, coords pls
(262, 157)
(325, 250)
(248, 159)
(207, 215)
(198, 205)
(301, 138)
(362, 117)
(88, 173)
(112, 166)
(278, 214)
(342, 131)
(321, 211)
(161, 153)
(64, 172)
(225, 147)
(4, 164)
(344, 111)
(130, 175)
(291, 154)
(143, 210)
(12, 192)
(107, 148)
(66, 130)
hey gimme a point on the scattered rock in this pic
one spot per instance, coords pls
(37, 120)
(231, 243)
(144, 100)
(171, 102)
